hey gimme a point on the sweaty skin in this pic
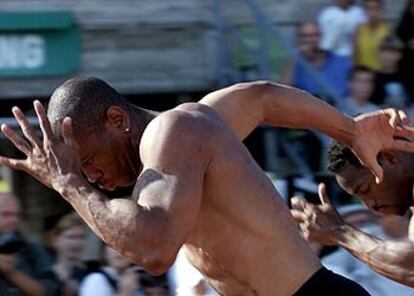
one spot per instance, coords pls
(199, 187)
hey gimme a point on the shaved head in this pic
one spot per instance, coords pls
(85, 100)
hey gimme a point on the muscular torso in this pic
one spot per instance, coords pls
(244, 240)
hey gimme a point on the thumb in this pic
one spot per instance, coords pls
(377, 171)
(323, 196)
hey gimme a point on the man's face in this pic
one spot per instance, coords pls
(391, 197)
(309, 38)
(70, 242)
(374, 11)
(10, 214)
(107, 161)
(362, 85)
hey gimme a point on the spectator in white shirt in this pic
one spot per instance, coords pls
(338, 23)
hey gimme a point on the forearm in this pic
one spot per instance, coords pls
(26, 284)
(393, 259)
(288, 107)
(121, 223)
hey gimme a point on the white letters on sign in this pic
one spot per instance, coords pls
(22, 52)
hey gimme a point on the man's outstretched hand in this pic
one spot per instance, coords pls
(50, 159)
(378, 131)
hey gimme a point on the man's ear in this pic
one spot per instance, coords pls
(388, 158)
(116, 117)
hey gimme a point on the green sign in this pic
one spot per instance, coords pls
(38, 44)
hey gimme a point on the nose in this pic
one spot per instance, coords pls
(92, 174)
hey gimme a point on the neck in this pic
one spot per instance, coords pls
(140, 118)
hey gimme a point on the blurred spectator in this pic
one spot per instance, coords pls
(333, 69)
(25, 267)
(392, 87)
(117, 277)
(338, 23)
(67, 241)
(361, 84)
(370, 35)
(405, 30)
(345, 264)
(185, 280)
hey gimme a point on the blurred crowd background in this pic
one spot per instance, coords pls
(355, 55)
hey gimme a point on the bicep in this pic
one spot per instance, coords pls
(169, 189)
(172, 196)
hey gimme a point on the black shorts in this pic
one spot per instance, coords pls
(326, 283)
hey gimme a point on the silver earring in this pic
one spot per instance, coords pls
(126, 130)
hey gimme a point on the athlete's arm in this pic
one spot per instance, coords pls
(247, 105)
(393, 259)
(322, 224)
(150, 228)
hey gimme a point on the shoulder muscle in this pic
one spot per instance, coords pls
(176, 137)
